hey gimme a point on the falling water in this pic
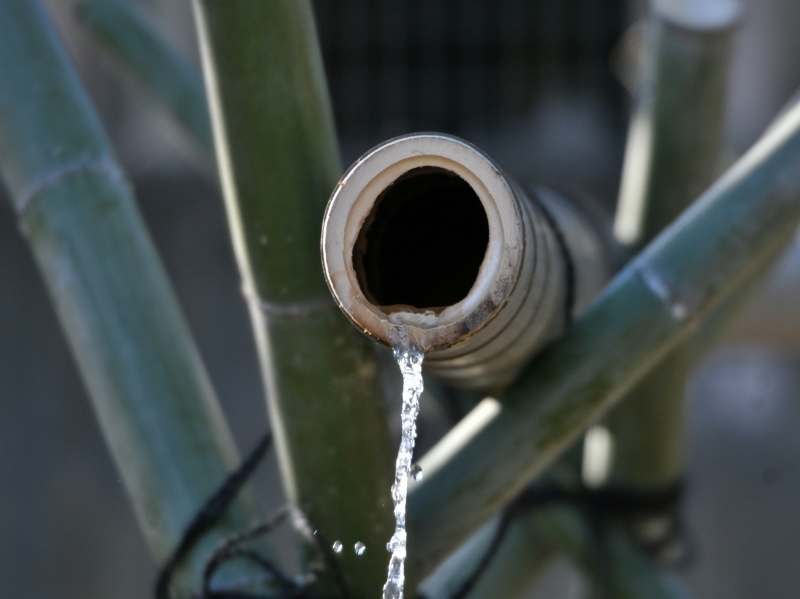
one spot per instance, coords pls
(409, 358)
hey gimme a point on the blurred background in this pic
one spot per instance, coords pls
(537, 84)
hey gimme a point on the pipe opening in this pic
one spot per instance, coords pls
(423, 243)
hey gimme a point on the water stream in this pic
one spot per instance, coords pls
(409, 358)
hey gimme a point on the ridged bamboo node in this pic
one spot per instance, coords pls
(703, 15)
(305, 309)
(53, 177)
(656, 283)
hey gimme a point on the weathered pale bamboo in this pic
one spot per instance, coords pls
(673, 149)
(128, 35)
(278, 161)
(149, 389)
(675, 132)
(647, 310)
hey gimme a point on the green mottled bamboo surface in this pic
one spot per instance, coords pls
(278, 162)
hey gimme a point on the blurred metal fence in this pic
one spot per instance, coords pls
(396, 66)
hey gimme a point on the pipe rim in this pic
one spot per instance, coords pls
(353, 200)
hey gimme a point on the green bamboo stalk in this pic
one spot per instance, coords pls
(610, 560)
(278, 161)
(674, 146)
(126, 33)
(518, 561)
(149, 389)
(647, 310)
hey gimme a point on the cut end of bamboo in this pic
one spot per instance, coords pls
(699, 14)
(423, 231)
(426, 232)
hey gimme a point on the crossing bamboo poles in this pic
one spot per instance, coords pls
(646, 311)
(525, 537)
(674, 147)
(278, 161)
(524, 549)
(149, 389)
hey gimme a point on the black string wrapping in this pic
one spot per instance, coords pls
(209, 513)
(599, 503)
(234, 546)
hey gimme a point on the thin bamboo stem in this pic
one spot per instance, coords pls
(149, 389)
(673, 149)
(129, 36)
(278, 161)
(647, 310)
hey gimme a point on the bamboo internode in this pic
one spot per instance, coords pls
(278, 159)
(150, 392)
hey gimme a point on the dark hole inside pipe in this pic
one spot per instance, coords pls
(424, 241)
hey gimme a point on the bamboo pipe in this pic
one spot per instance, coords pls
(149, 389)
(720, 243)
(426, 231)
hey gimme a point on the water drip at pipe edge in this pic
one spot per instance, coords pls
(409, 358)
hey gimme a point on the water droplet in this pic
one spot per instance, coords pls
(679, 311)
(263, 240)
(360, 548)
(337, 546)
(416, 472)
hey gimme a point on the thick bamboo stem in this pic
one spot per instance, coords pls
(673, 148)
(130, 37)
(149, 389)
(647, 310)
(278, 161)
